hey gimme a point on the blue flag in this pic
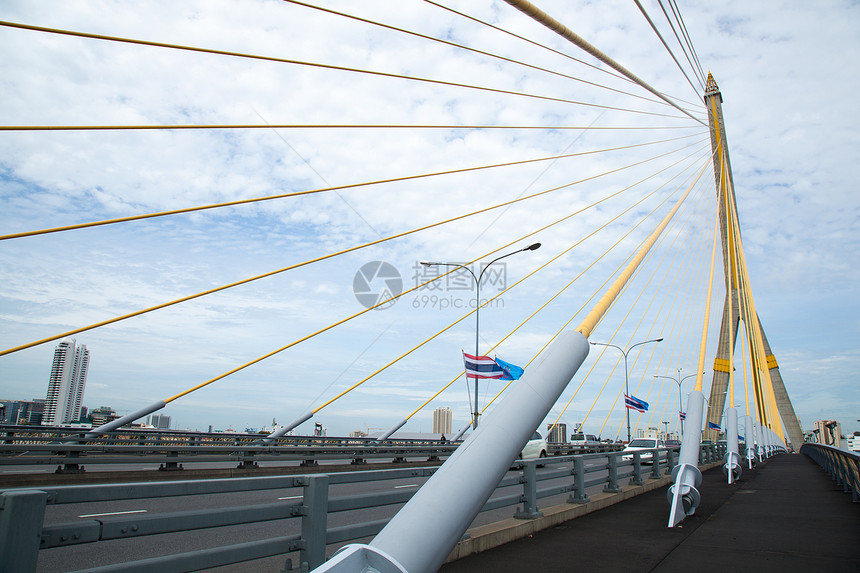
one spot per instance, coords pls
(713, 426)
(512, 372)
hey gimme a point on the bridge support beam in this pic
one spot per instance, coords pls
(736, 307)
(426, 529)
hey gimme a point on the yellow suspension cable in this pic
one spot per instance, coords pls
(603, 304)
(704, 342)
(351, 186)
(553, 259)
(605, 282)
(289, 268)
(225, 126)
(664, 329)
(467, 48)
(618, 361)
(318, 65)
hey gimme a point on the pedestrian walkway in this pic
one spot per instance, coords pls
(787, 515)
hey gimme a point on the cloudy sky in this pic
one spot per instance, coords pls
(786, 75)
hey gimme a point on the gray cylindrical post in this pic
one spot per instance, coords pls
(292, 425)
(749, 441)
(759, 441)
(732, 465)
(387, 434)
(127, 419)
(461, 432)
(683, 495)
(427, 528)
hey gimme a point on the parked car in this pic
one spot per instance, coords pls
(640, 444)
(536, 447)
(584, 440)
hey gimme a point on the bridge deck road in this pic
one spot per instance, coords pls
(787, 515)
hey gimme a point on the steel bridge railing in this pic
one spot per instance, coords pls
(842, 465)
(69, 449)
(22, 510)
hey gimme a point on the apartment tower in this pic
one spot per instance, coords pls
(66, 384)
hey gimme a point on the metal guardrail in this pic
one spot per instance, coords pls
(22, 510)
(842, 465)
(70, 449)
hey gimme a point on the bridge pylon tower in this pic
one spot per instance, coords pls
(735, 305)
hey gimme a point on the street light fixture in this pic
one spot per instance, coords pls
(626, 374)
(532, 247)
(680, 395)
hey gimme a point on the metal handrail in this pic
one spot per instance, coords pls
(28, 506)
(842, 465)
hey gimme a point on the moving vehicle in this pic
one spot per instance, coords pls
(536, 447)
(640, 444)
(584, 440)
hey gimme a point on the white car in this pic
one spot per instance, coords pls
(584, 440)
(535, 448)
(640, 444)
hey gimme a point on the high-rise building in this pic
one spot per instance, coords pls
(442, 420)
(159, 421)
(66, 383)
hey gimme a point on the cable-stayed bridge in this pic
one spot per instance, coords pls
(355, 168)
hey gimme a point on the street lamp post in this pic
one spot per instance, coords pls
(532, 247)
(680, 394)
(626, 374)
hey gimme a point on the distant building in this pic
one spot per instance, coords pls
(159, 421)
(557, 433)
(854, 442)
(443, 420)
(103, 415)
(358, 434)
(319, 430)
(649, 433)
(25, 412)
(66, 384)
(828, 432)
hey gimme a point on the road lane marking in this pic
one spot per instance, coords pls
(291, 497)
(407, 485)
(113, 513)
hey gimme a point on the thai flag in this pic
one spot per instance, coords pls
(482, 367)
(713, 426)
(682, 415)
(634, 403)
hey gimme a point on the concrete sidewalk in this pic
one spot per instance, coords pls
(787, 515)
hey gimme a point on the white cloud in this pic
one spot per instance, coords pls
(792, 133)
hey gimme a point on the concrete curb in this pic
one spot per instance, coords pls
(492, 535)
